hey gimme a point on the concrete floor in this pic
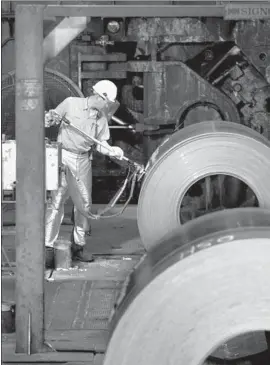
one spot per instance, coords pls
(78, 302)
(108, 235)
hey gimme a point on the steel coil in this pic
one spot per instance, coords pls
(206, 284)
(195, 152)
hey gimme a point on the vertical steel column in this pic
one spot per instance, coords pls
(30, 188)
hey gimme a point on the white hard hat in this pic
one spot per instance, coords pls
(106, 89)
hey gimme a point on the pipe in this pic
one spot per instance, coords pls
(124, 124)
(118, 121)
(30, 172)
(62, 35)
(119, 127)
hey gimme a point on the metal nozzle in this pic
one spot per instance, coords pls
(140, 170)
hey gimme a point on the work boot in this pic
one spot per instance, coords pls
(49, 258)
(78, 254)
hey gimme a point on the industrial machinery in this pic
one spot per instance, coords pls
(226, 67)
(171, 72)
(198, 98)
(52, 163)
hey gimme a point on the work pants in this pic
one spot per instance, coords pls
(76, 182)
(73, 220)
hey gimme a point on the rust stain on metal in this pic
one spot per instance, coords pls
(29, 88)
(169, 30)
(29, 91)
(30, 104)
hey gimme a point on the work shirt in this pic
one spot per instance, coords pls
(77, 111)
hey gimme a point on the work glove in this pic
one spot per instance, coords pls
(51, 118)
(117, 152)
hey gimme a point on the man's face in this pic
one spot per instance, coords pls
(105, 106)
(96, 101)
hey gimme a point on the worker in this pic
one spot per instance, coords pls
(89, 115)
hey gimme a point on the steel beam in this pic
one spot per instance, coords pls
(67, 30)
(30, 187)
(253, 11)
(111, 11)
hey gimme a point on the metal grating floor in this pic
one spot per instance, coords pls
(81, 305)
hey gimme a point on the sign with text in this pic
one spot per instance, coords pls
(247, 11)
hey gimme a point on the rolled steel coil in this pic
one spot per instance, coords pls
(187, 156)
(206, 284)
